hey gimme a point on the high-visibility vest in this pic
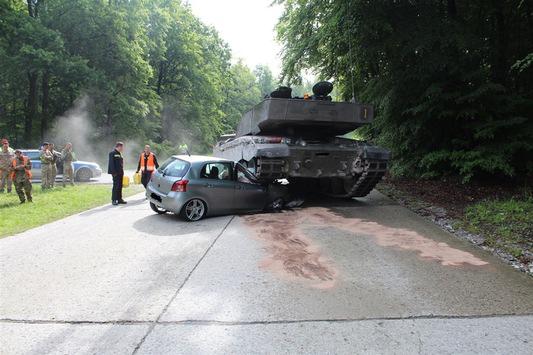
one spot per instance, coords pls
(25, 159)
(150, 163)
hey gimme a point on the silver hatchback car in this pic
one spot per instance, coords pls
(197, 186)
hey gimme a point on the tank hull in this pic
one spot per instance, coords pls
(342, 167)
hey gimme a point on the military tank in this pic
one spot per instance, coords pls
(301, 139)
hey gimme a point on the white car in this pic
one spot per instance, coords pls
(83, 170)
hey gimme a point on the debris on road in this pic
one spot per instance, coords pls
(293, 252)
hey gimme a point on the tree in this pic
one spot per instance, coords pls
(152, 72)
(265, 79)
(440, 74)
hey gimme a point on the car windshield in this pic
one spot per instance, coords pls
(174, 167)
(243, 175)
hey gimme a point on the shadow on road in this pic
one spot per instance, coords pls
(171, 225)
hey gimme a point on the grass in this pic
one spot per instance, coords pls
(506, 224)
(52, 205)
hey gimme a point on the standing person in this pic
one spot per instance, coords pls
(6, 157)
(147, 164)
(56, 156)
(68, 157)
(116, 168)
(21, 176)
(46, 158)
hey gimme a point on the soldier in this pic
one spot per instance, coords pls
(147, 164)
(116, 168)
(21, 176)
(68, 157)
(6, 157)
(46, 158)
(56, 157)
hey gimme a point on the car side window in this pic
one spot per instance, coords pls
(216, 171)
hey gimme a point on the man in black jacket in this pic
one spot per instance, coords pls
(116, 168)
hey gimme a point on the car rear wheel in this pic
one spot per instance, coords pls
(193, 210)
(156, 209)
(84, 174)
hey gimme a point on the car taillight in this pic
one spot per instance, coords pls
(180, 186)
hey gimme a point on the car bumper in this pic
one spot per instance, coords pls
(97, 173)
(172, 202)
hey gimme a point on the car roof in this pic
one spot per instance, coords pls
(200, 158)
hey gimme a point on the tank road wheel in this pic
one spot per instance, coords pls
(193, 210)
(338, 187)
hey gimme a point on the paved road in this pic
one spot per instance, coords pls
(363, 276)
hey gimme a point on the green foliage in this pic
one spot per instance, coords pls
(504, 223)
(265, 79)
(152, 70)
(451, 81)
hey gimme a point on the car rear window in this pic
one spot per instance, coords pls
(174, 167)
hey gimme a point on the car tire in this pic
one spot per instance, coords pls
(157, 209)
(84, 175)
(193, 210)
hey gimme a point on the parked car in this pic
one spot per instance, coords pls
(199, 186)
(83, 170)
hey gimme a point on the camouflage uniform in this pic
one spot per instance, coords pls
(56, 156)
(46, 168)
(22, 183)
(6, 157)
(68, 171)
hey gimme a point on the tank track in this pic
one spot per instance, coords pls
(359, 186)
(373, 171)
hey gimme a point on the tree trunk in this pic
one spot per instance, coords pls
(452, 8)
(32, 106)
(500, 64)
(32, 8)
(45, 103)
(160, 77)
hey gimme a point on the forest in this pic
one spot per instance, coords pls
(149, 70)
(451, 80)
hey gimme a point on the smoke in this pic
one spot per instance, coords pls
(76, 127)
(174, 129)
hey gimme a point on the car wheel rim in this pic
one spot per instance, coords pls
(83, 175)
(194, 210)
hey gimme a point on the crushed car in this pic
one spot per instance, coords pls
(195, 186)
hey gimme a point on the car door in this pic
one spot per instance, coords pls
(249, 194)
(216, 180)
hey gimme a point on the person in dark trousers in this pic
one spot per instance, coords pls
(116, 168)
(147, 165)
